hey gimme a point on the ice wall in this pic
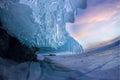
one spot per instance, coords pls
(39, 23)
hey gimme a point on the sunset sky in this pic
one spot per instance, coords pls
(96, 25)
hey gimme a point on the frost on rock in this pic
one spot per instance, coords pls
(39, 23)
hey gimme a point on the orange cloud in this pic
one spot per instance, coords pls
(108, 41)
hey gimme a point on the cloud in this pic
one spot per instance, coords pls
(99, 13)
(97, 24)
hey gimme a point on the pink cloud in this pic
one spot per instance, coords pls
(99, 24)
(98, 13)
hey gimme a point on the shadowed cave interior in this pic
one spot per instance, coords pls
(12, 49)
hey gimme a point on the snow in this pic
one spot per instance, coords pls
(96, 66)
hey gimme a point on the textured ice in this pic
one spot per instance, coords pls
(40, 23)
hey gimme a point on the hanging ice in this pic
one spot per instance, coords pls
(40, 23)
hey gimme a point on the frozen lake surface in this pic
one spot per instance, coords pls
(104, 65)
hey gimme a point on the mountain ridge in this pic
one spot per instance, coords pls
(106, 47)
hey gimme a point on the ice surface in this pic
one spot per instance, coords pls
(104, 65)
(40, 23)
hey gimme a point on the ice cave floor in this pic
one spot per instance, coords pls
(104, 65)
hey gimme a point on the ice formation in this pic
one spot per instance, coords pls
(40, 23)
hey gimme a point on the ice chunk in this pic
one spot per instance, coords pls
(39, 23)
(70, 45)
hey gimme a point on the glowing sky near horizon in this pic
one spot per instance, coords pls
(98, 23)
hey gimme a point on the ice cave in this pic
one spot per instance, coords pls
(33, 32)
(41, 23)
